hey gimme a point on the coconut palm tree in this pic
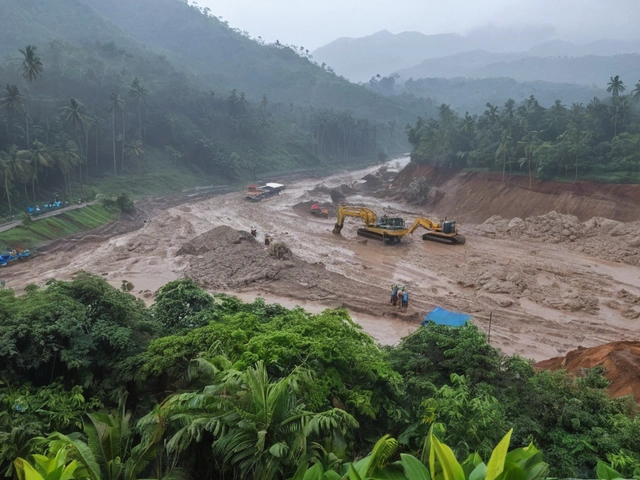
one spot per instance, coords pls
(139, 92)
(636, 91)
(529, 143)
(67, 157)
(260, 427)
(504, 151)
(115, 104)
(7, 175)
(37, 156)
(14, 103)
(98, 127)
(615, 87)
(135, 149)
(31, 67)
(72, 115)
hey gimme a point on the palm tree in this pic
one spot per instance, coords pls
(135, 149)
(261, 428)
(636, 91)
(72, 115)
(14, 103)
(7, 174)
(98, 124)
(66, 156)
(108, 452)
(115, 103)
(504, 151)
(37, 156)
(31, 67)
(615, 87)
(530, 142)
(139, 92)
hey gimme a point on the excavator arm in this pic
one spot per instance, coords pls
(443, 232)
(367, 215)
(424, 223)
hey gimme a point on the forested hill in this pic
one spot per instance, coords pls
(129, 88)
(211, 51)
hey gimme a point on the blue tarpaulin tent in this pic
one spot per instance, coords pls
(442, 316)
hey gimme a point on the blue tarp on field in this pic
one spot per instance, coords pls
(442, 316)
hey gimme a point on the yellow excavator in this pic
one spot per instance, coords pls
(392, 229)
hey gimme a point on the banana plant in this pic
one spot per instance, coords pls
(50, 468)
(518, 464)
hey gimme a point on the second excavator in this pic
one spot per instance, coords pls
(392, 229)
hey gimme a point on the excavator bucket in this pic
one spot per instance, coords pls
(337, 228)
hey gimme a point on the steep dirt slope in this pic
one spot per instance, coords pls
(621, 361)
(474, 197)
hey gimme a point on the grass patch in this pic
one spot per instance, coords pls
(166, 177)
(39, 231)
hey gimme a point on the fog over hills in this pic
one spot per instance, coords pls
(413, 54)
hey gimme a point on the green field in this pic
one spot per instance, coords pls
(39, 231)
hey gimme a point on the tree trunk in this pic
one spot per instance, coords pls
(529, 164)
(113, 135)
(26, 121)
(504, 166)
(6, 188)
(96, 161)
(576, 179)
(86, 152)
(122, 156)
(140, 121)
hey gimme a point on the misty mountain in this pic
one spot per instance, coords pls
(227, 59)
(215, 56)
(602, 48)
(409, 53)
(587, 70)
(457, 65)
(472, 95)
(358, 59)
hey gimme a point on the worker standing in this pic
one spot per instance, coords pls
(405, 298)
(394, 295)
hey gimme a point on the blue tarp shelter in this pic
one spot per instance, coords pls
(442, 316)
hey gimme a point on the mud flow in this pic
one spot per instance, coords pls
(551, 282)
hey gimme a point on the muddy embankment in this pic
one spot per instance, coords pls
(620, 360)
(475, 196)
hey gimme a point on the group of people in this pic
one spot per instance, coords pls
(399, 296)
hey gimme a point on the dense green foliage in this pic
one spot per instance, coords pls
(219, 387)
(599, 139)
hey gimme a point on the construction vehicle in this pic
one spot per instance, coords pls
(255, 193)
(319, 211)
(392, 229)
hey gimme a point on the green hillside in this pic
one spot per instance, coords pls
(123, 89)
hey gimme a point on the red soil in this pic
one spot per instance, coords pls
(621, 361)
(474, 197)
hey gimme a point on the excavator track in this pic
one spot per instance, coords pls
(455, 240)
(363, 232)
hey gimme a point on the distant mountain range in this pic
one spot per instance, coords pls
(586, 70)
(523, 55)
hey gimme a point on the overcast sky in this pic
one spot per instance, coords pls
(313, 23)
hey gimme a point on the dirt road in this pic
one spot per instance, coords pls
(545, 299)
